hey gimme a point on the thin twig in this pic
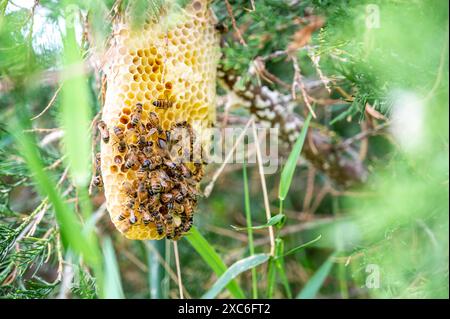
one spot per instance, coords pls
(49, 105)
(60, 257)
(209, 187)
(56, 163)
(309, 188)
(264, 188)
(233, 22)
(299, 83)
(348, 142)
(177, 263)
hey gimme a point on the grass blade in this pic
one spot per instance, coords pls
(314, 284)
(291, 163)
(75, 112)
(248, 217)
(294, 250)
(155, 270)
(112, 282)
(210, 256)
(274, 220)
(279, 263)
(271, 278)
(236, 269)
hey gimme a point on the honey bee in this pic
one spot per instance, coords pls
(118, 159)
(199, 172)
(142, 192)
(169, 226)
(188, 209)
(185, 172)
(169, 164)
(98, 163)
(177, 195)
(166, 185)
(132, 219)
(162, 143)
(136, 117)
(152, 202)
(122, 146)
(146, 165)
(168, 136)
(188, 224)
(142, 142)
(123, 215)
(129, 189)
(153, 120)
(141, 173)
(130, 204)
(178, 208)
(119, 133)
(103, 131)
(158, 222)
(156, 160)
(163, 103)
(166, 198)
(131, 161)
(155, 185)
(148, 151)
(146, 218)
(97, 181)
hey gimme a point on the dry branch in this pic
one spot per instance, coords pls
(341, 165)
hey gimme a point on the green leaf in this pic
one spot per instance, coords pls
(289, 167)
(75, 112)
(112, 282)
(210, 256)
(294, 250)
(279, 263)
(314, 284)
(156, 273)
(274, 220)
(236, 269)
(248, 217)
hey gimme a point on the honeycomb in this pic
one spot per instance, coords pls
(160, 79)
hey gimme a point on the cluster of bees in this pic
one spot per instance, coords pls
(164, 191)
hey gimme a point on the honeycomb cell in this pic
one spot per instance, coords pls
(132, 69)
(124, 119)
(118, 159)
(134, 86)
